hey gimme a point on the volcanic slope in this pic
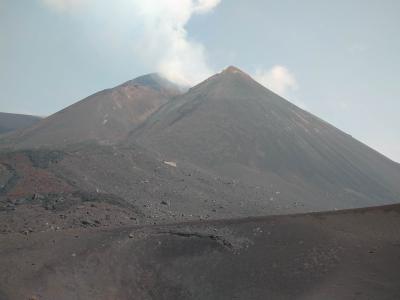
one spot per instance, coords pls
(235, 127)
(342, 255)
(10, 122)
(105, 117)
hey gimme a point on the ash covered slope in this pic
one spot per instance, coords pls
(234, 126)
(343, 255)
(10, 122)
(105, 117)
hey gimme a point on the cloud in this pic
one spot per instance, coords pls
(278, 79)
(178, 58)
(204, 6)
(156, 29)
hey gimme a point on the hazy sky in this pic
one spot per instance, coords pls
(337, 59)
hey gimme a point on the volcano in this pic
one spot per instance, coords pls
(233, 126)
(105, 117)
(225, 148)
(225, 191)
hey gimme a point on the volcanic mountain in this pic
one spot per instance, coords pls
(105, 117)
(226, 148)
(10, 122)
(75, 214)
(233, 126)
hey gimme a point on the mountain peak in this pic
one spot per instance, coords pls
(156, 82)
(234, 70)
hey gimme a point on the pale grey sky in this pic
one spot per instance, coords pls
(337, 59)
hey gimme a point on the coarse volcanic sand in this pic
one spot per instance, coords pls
(352, 254)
